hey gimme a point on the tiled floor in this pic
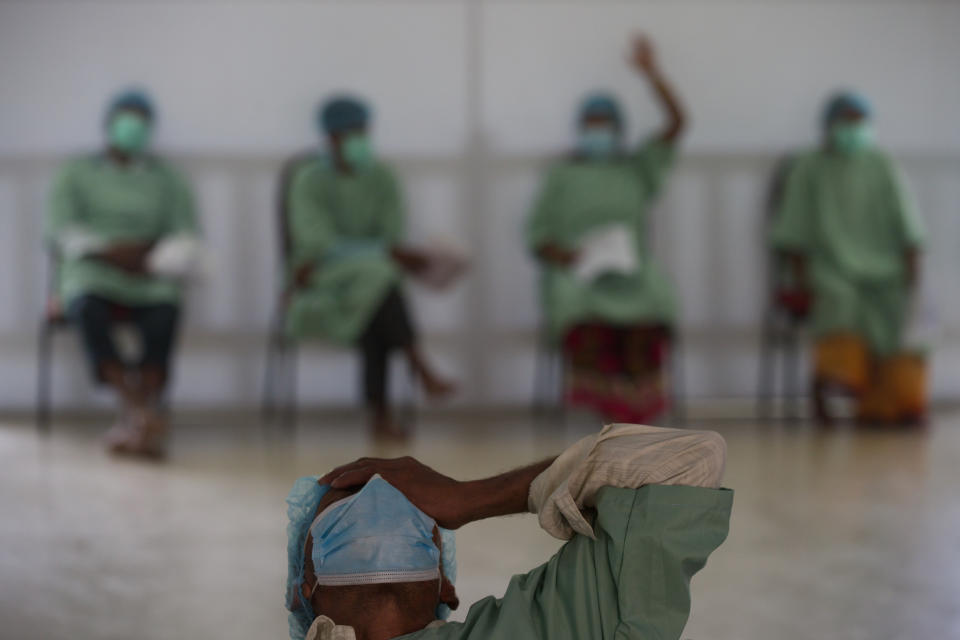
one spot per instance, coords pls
(844, 534)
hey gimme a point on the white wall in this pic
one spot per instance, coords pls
(245, 75)
(471, 99)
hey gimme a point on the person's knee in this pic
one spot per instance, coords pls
(88, 311)
(162, 320)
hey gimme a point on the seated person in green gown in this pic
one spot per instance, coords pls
(346, 224)
(372, 554)
(123, 231)
(851, 239)
(603, 298)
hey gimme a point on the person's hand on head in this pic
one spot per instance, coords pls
(433, 493)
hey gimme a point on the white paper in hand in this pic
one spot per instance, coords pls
(445, 263)
(179, 257)
(609, 249)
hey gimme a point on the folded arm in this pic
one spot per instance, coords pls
(559, 489)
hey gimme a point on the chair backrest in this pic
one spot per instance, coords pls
(777, 186)
(772, 204)
(282, 197)
(776, 272)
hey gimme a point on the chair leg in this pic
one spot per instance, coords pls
(44, 353)
(678, 411)
(766, 382)
(408, 402)
(791, 374)
(272, 363)
(541, 378)
(289, 411)
(560, 383)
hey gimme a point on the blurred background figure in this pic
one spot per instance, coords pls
(852, 239)
(347, 258)
(122, 230)
(603, 298)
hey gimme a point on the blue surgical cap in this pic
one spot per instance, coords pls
(342, 113)
(302, 506)
(131, 99)
(601, 104)
(843, 101)
(374, 536)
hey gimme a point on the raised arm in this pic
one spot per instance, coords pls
(450, 502)
(645, 61)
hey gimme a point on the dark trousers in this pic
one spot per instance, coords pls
(389, 329)
(157, 324)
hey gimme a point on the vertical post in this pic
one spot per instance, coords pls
(473, 181)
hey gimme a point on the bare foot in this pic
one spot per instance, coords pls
(437, 387)
(145, 436)
(120, 436)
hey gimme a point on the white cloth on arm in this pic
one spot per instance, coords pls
(627, 456)
(177, 256)
(77, 241)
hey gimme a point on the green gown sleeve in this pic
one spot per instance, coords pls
(182, 212)
(631, 583)
(653, 161)
(393, 221)
(657, 538)
(793, 227)
(910, 225)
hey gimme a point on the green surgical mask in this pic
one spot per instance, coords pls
(357, 151)
(851, 137)
(598, 142)
(129, 132)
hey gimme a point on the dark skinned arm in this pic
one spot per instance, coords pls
(912, 258)
(555, 254)
(644, 60)
(129, 256)
(452, 503)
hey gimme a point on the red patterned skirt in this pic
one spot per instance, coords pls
(617, 371)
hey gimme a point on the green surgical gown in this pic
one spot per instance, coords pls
(579, 197)
(99, 198)
(345, 225)
(850, 216)
(632, 581)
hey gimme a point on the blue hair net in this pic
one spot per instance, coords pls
(302, 503)
(843, 101)
(603, 104)
(131, 99)
(342, 113)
